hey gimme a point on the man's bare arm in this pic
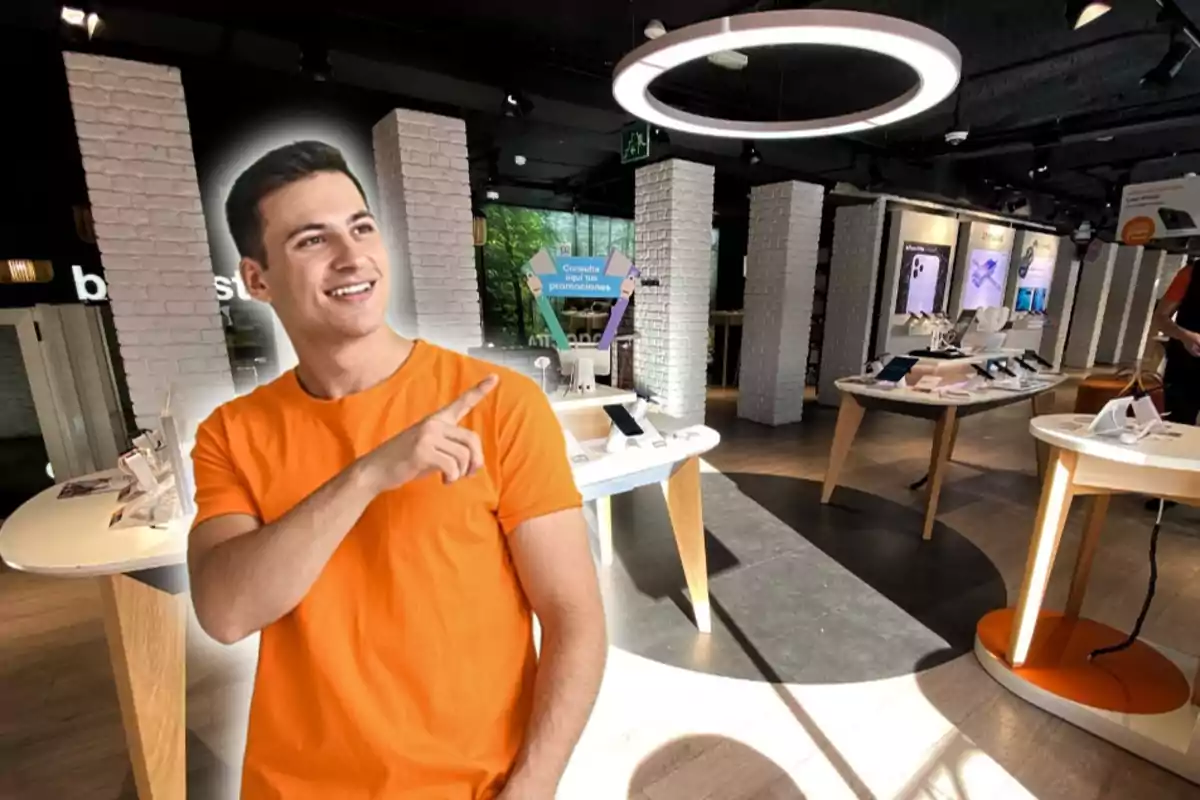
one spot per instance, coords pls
(555, 567)
(245, 575)
(1164, 313)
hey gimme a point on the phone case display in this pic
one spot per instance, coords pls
(923, 272)
(1035, 270)
(987, 276)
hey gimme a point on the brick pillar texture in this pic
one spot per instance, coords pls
(781, 269)
(425, 194)
(133, 132)
(850, 305)
(673, 202)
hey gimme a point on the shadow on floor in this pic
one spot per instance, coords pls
(711, 766)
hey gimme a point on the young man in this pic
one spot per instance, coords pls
(387, 514)
(1178, 316)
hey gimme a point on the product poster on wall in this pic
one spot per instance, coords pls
(987, 274)
(923, 271)
(1035, 270)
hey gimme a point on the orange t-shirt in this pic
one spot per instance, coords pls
(1179, 286)
(406, 672)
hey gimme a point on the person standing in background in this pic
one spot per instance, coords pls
(1178, 316)
(388, 514)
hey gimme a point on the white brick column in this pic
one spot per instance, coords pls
(1116, 310)
(1141, 304)
(781, 269)
(1087, 318)
(850, 304)
(132, 124)
(425, 194)
(673, 203)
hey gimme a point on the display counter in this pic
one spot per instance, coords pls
(1143, 698)
(141, 577)
(675, 465)
(944, 409)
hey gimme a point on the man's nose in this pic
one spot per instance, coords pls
(348, 255)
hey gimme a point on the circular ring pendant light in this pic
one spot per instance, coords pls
(932, 56)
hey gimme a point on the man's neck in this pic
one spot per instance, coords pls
(336, 371)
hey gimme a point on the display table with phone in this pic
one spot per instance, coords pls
(1143, 698)
(141, 578)
(666, 453)
(946, 408)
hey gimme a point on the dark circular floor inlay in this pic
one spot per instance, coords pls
(800, 592)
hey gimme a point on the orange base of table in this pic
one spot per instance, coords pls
(1139, 680)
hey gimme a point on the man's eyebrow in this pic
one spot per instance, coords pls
(364, 214)
(316, 227)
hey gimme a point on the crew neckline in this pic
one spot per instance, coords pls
(408, 367)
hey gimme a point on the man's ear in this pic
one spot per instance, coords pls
(254, 277)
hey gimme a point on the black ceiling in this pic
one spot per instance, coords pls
(1034, 92)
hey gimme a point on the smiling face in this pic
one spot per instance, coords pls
(326, 271)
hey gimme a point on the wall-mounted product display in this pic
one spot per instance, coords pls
(1159, 210)
(1034, 258)
(981, 269)
(923, 272)
(916, 276)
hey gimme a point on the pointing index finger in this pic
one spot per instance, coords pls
(466, 401)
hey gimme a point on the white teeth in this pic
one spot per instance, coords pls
(357, 288)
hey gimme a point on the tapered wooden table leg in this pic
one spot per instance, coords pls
(943, 443)
(145, 631)
(1097, 512)
(1057, 492)
(850, 416)
(682, 491)
(1042, 404)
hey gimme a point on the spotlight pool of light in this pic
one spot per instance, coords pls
(932, 56)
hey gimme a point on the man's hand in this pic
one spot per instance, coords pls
(1192, 342)
(435, 444)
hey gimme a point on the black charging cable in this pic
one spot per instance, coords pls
(1141, 618)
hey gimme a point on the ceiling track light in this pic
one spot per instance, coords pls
(1163, 73)
(516, 104)
(750, 154)
(82, 18)
(1082, 12)
(314, 63)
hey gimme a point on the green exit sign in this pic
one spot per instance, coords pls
(635, 143)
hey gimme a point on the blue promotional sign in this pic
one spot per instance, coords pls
(581, 276)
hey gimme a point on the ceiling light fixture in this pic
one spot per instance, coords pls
(314, 63)
(80, 18)
(519, 160)
(654, 29)
(516, 104)
(750, 154)
(1163, 73)
(1081, 12)
(932, 56)
(492, 194)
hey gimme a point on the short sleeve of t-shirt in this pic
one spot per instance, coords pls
(535, 473)
(220, 488)
(1179, 286)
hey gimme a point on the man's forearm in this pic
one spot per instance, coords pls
(1169, 327)
(249, 581)
(570, 668)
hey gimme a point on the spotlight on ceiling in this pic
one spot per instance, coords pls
(314, 63)
(492, 194)
(655, 29)
(1164, 72)
(1081, 12)
(750, 154)
(520, 160)
(516, 104)
(80, 18)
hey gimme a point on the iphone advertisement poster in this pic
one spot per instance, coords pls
(987, 275)
(1035, 269)
(923, 271)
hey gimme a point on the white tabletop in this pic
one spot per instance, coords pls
(71, 537)
(1067, 431)
(608, 467)
(904, 394)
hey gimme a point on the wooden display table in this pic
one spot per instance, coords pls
(1142, 698)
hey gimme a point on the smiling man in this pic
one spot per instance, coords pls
(387, 514)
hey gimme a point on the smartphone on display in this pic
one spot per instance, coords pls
(1176, 219)
(984, 372)
(922, 282)
(624, 421)
(1001, 366)
(1033, 355)
(1024, 299)
(895, 370)
(1025, 364)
